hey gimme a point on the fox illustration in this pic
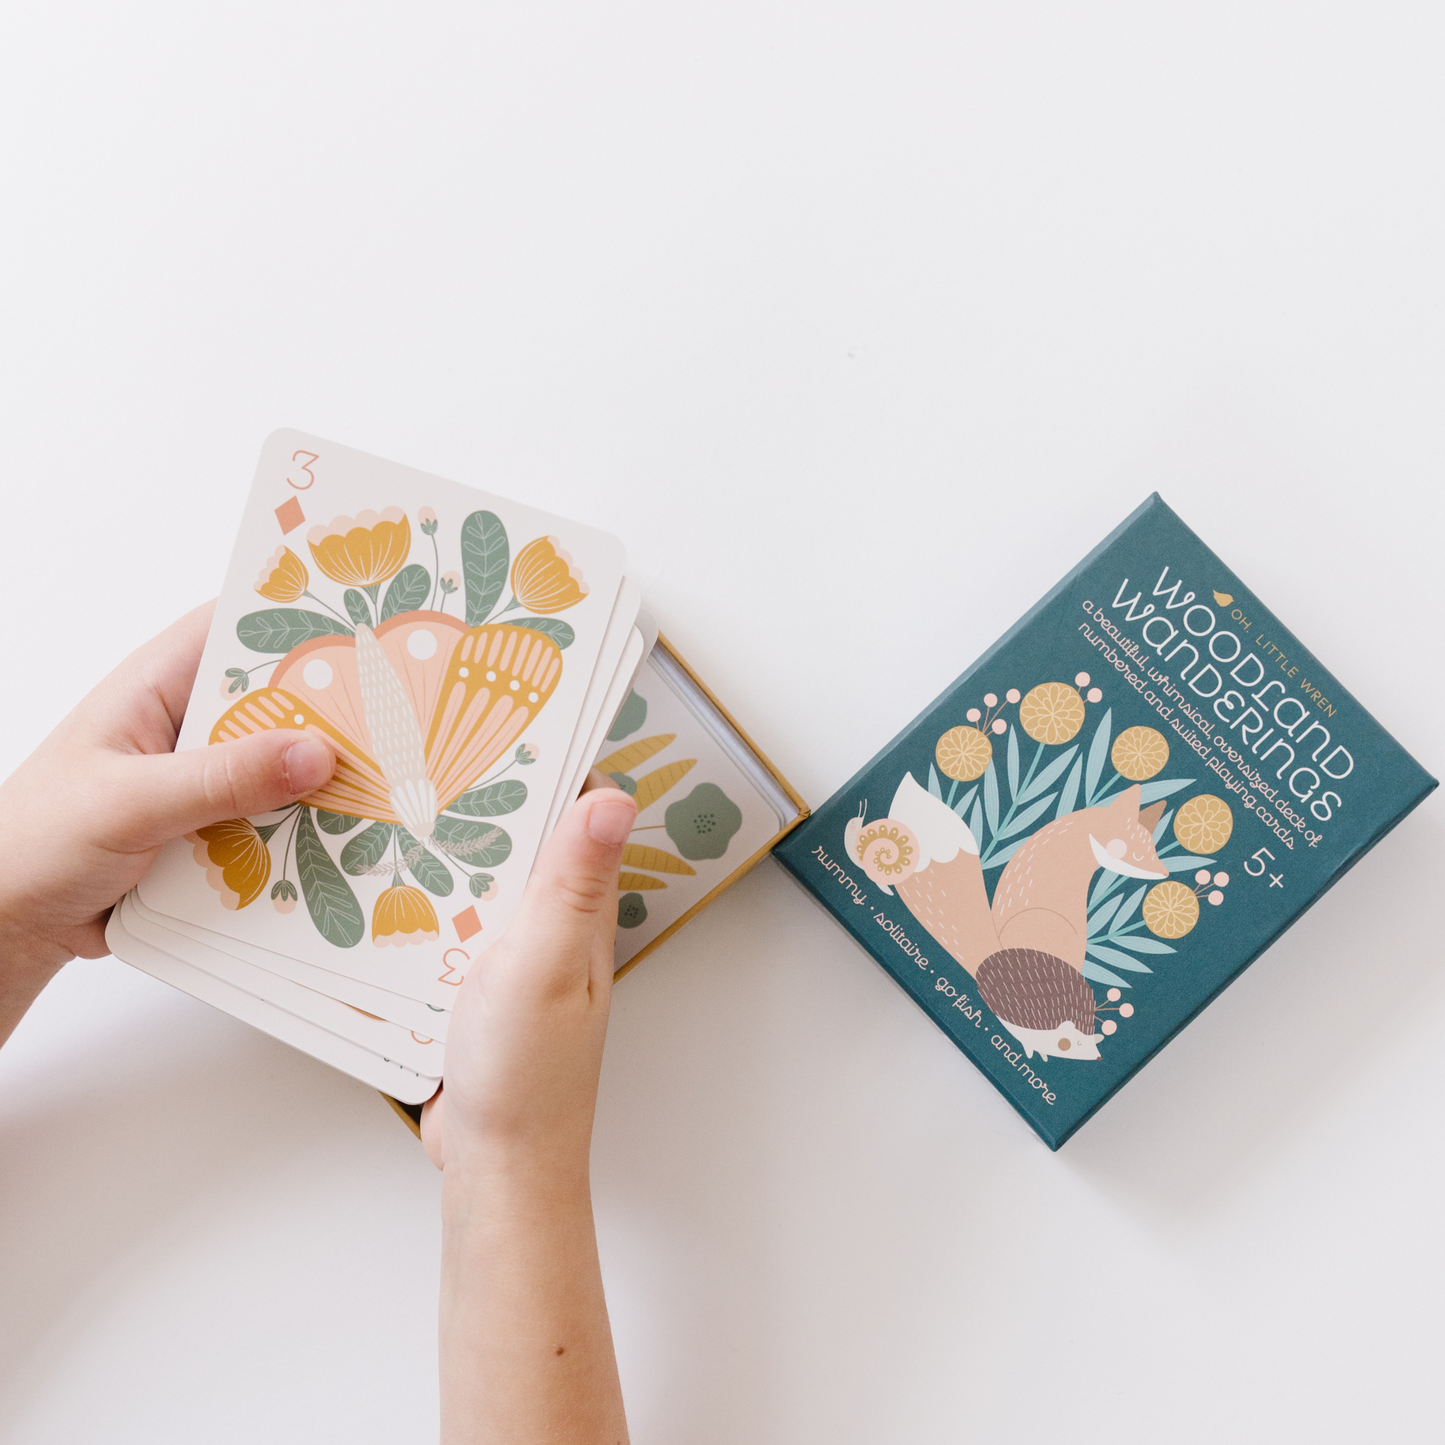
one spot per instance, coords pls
(1025, 951)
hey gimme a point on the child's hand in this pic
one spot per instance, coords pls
(84, 816)
(524, 1048)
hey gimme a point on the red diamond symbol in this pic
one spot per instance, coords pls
(467, 923)
(290, 515)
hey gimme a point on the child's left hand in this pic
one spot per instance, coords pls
(84, 816)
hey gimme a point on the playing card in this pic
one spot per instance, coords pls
(418, 625)
(391, 1078)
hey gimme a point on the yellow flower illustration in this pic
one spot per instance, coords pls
(1052, 712)
(963, 754)
(403, 915)
(236, 861)
(544, 579)
(1170, 910)
(1203, 824)
(283, 578)
(1139, 753)
(363, 550)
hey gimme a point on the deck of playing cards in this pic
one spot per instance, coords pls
(465, 657)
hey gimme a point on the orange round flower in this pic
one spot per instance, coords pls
(283, 578)
(363, 550)
(1052, 712)
(1170, 910)
(236, 861)
(1139, 753)
(963, 753)
(544, 579)
(403, 915)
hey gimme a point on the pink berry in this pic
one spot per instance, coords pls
(1082, 680)
(1216, 898)
(1126, 1010)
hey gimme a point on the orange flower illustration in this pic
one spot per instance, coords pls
(284, 577)
(403, 915)
(1051, 713)
(364, 550)
(236, 861)
(544, 579)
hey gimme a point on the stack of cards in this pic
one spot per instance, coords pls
(465, 657)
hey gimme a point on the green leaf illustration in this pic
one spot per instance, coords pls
(427, 869)
(1005, 853)
(560, 632)
(702, 824)
(483, 844)
(990, 798)
(1069, 797)
(1138, 943)
(240, 679)
(365, 850)
(1162, 826)
(407, 592)
(284, 889)
(630, 716)
(1013, 764)
(1027, 816)
(975, 823)
(631, 908)
(1108, 882)
(1183, 862)
(1161, 788)
(1050, 774)
(491, 800)
(282, 628)
(1098, 974)
(335, 823)
(329, 899)
(485, 555)
(1120, 960)
(626, 782)
(1127, 911)
(961, 807)
(1099, 920)
(1098, 755)
(358, 609)
(934, 786)
(264, 831)
(479, 883)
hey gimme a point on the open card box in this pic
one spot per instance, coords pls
(709, 806)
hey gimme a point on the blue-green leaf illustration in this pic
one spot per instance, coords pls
(428, 870)
(1028, 815)
(1139, 943)
(240, 679)
(285, 890)
(485, 556)
(626, 782)
(1127, 911)
(934, 786)
(491, 800)
(560, 632)
(1005, 853)
(329, 899)
(483, 844)
(1099, 974)
(990, 797)
(479, 883)
(1098, 755)
(1161, 788)
(1183, 862)
(631, 907)
(407, 592)
(1069, 797)
(1050, 774)
(961, 807)
(702, 824)
(1013, 764)
(366, 849)
(279, 629)
(335, 823)
(1162, 825)
(975, 823)
(358, 609)
(1119, 960)
(1099, 920)
(265, 830)
(630, 716)
(1108, 882)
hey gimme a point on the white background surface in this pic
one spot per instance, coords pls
(861, 324)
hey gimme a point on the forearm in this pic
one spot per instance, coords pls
(526, 1348)
(26, 966)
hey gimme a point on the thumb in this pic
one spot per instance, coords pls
(570, 904)
(156, 797)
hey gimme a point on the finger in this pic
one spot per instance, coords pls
(596, 778)
(569, 908)
(154, 683)
(151, 798)
(433, 1125)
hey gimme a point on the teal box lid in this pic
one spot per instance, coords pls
(1105, 820)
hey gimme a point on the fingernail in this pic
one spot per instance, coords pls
(611, 818)
(307, 765)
